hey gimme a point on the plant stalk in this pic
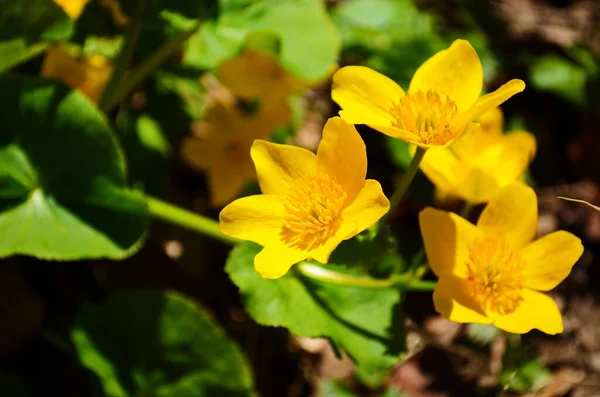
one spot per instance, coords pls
(187, 219)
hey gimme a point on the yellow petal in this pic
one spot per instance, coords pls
(89, 76)
(512, 214)
(255, 74)
(550, 259)
(275, 260)
(447, 238)
(59, 63)
(510, 158)
(277, 166)
(73, 8)
(458, 176)
(343, 156)
(226, 180)
(368, 207)
(255, 218)
(491, 122)
(536, 311)
(486, 103)
(452, 301)
(455, 72)
(399, 133)
(196, 153)
(364, 95)
(479, 175)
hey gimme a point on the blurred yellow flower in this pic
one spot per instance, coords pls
(442, 99)
(223, 152)
(482, 162)
(89, 75)
(493, 273)
(310, 203)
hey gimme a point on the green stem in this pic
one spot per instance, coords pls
(403, 281)
(406, 180)
(116, 78)
(187, 219)
(136, 76)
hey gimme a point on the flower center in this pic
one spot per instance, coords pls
(313, 208)
(427, 115)
(495, 275)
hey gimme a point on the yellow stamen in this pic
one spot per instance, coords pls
(495, 275)
(427, 115)
(314, 207)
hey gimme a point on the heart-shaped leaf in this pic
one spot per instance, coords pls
(62, 177)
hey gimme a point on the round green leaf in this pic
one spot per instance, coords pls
(363, 322)
(63, 194)
(161, 345)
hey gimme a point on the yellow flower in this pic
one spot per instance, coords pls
(442, 100)
(255, 74)
(89, 75)
(482, 162)
(493, 273)
(310, 203)
(224, 150)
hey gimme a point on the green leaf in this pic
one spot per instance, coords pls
(560, 76)
(158, 344)
(360, 321)
(522, 371)
(12, 386)
(16, 51)
(63, 194)
(334, 388)
(373, 24)
(310, 41)
(34, 20)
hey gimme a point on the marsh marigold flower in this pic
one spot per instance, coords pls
(482, 162)
(310, 203)
(441, 101)
(492, 273)
(89, 75)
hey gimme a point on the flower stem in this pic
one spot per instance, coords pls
(403, 281)
(187, 219)
(122, 61)
(148, 65)
(406, 180)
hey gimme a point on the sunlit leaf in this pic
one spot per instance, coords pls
(158, 344)
(62, 177)
(560, 76)
(359, 321)
(310, 41)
